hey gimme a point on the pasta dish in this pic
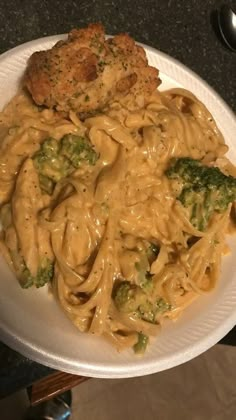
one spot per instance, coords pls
(115, 195)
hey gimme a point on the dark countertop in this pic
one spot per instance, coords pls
(184, 29)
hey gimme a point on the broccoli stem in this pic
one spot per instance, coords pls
(141, 345)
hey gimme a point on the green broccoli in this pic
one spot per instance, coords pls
(148, 310)
(78, 149)
(57, 159)
(130, 298)
(144, 278)
(141, 345)
(51, 165)
(205, 189)
(44, 275)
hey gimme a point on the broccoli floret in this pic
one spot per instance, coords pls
(57, 159)
(205, 189)
(44, 275)
(144, 278)
(78, 149)
(141, 345)
(130, 298)
(148, 310)
(51, 165)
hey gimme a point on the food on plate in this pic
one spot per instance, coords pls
(86, 72)
(120, 204)
(56, 160)
(206, 189)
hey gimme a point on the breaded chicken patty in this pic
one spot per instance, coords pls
(86, 72)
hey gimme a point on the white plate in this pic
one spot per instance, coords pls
(31, 321)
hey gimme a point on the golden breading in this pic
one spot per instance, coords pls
(86, 72)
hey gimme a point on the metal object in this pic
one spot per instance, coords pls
(55, 409)
(227, 26)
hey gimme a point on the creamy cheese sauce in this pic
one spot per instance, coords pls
(101, 218)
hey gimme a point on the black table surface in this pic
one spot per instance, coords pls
(184, 29)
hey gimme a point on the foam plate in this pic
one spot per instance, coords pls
(31, 321)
